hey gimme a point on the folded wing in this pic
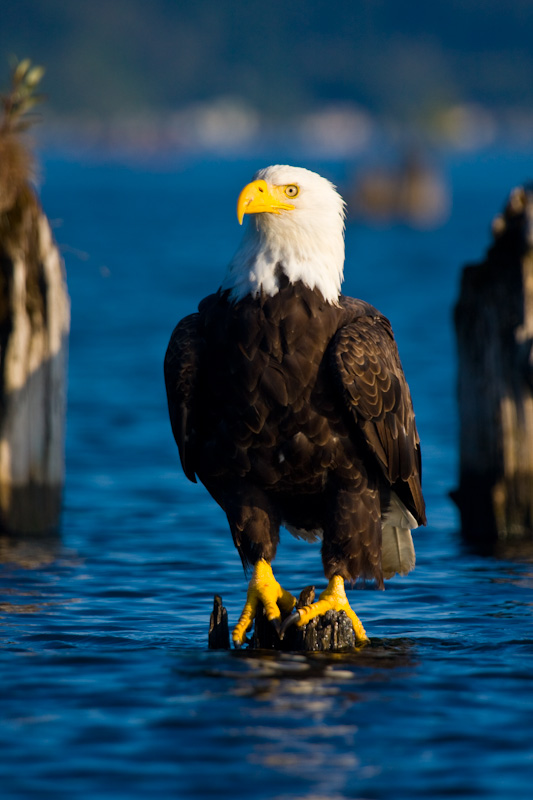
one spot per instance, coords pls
(182, 361)
(370, 378)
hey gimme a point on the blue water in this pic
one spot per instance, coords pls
(107, 687)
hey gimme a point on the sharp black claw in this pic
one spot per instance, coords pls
(276, 623)
(292, 619)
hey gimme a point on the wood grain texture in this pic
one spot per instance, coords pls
(332, 632)
(34, 328)
(494, 327)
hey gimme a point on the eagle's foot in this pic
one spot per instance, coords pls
(333, 597)
(263, 588)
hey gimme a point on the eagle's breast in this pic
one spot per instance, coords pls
(265, 406)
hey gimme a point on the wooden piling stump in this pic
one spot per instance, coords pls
(34, 329)
(494, 327)
(328, 633)
(218, 638)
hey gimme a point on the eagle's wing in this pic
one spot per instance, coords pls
(369, 374)
(182, 361)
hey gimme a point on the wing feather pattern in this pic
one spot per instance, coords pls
(370, 376)
(182, 361)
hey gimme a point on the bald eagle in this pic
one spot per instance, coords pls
(288, 401)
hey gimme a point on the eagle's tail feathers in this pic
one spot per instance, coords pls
(397, 551)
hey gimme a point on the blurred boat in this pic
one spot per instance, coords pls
(412, 193)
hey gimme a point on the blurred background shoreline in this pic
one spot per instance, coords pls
(342, 79)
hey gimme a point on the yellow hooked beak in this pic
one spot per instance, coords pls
(258, 197)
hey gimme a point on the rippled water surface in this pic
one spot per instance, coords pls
(108, 689)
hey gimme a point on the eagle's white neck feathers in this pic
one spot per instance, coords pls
(306, 242)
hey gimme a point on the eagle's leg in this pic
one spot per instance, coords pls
(351, 547)
(332, 598)
(254, 524)
(263, 588)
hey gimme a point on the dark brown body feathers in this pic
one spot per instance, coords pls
(293, 410)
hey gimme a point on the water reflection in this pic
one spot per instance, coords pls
(31, 568)
(269, 673)
(304, 713)
(29, 551)
(515, 548)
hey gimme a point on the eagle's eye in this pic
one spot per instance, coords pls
(292, 190)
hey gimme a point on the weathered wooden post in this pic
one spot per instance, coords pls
(34, 328)
(494, 326)
(332, 632)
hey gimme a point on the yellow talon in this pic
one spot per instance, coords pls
(333, 597)
(263, 588)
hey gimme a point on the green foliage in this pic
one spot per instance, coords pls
(21, 97)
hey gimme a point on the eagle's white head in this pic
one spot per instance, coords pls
(297, 224)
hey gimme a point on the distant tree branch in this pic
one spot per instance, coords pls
(21, 98)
